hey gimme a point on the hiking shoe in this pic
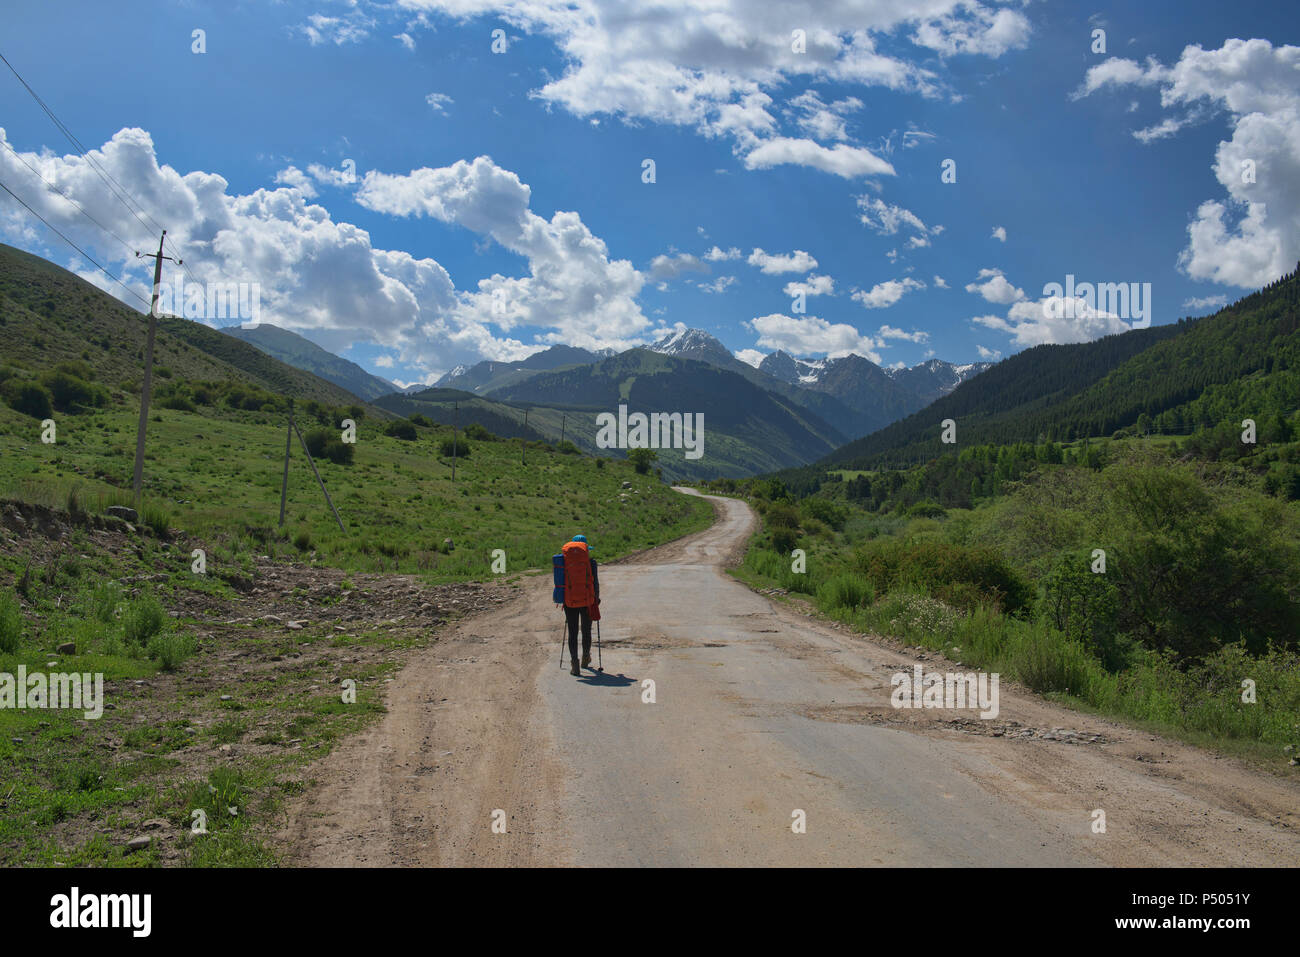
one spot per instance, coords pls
(575, 670)
(586, 659)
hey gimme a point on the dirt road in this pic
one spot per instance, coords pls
(758, 714)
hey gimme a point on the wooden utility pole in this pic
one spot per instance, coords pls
(563, 418)
(523, 442)
(319, 481)
(158, 258)
(284, 484)
(455, 440)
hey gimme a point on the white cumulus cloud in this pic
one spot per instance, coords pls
(1251, 235)
(811, 335)
(885, 294)
(774, 264)
(994, 287)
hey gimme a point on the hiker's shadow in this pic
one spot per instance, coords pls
(606, 680)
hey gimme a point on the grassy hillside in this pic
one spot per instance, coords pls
(1241, 362)
(218, 474)
(999, 404)
(301, 353)
(505, 419)
(48, 316)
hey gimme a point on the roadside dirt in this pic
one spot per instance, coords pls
(289, 634)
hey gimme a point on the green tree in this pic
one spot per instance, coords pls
(642, 459)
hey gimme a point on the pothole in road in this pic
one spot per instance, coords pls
(932, 720)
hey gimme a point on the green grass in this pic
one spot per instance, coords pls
(217, 477)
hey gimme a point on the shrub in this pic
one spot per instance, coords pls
(104, 599)
(1084, 606)
(156, 519)
(302, 541)
(421, 420)
(1046, 660)
(326, 443)
(1195, 571)
(825, 510)
(142, 619)
(70, 394)
(458, 447)
(11, 623)
(29, 398)
(568, 448)
(170, 649)
(641, 459)
(845, 590)
(782, 515)
(178, 402)
(477, 432)
(937, 566)
(77, 368)
(784, 540)
(403, 429)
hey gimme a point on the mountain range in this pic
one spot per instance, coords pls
(786, 413)
(302, 353)
(852, 395)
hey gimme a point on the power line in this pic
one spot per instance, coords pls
(116, 188)
(56, 189)
(88, 257)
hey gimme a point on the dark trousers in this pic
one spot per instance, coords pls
(573, 616)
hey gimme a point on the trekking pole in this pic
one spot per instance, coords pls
(563, 629)
(600, 658)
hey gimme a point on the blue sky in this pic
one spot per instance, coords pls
(498, 203)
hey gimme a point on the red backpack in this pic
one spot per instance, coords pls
(579, 589)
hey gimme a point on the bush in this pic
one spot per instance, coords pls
(567, 448)
(1196, 571)
(1084, 606)
(784, 540)
(328, 444)
(29, 398)
(71, 394)
(845, 590)
(169, 650)
(403, 429)
(156, 519)
(104, 599)
(1047, 661)
(825, 510)
(178, 403)
(421, 420)
(302, 541)
(11, 623)
(142, 619)
(477, 432)
(641, 459)
(458, 447)
(782, 515)
(937, 567)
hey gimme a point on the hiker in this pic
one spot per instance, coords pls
(577, 589)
